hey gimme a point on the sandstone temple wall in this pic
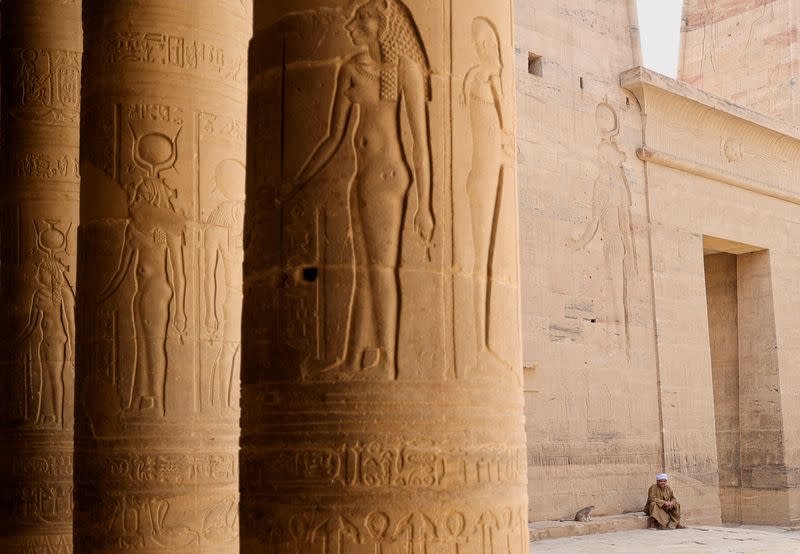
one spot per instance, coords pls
(743, 50)
(588, 329)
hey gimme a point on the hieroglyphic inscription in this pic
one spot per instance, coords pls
(45, 503)
(393, 465)
(43, 165)
(148, 521)
(169, 468)
(46, 85)
(47, 544)
(43, 466)
(487, 531)
(224, 127)
(171, 50)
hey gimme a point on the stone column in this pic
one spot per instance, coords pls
(162, 210)
(41, 61)
(382, 399)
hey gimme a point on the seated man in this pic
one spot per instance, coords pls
(662, 506)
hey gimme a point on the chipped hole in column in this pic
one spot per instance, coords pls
(310, 274)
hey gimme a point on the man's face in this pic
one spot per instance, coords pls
(661, 483)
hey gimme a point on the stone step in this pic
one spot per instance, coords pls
(542, 530)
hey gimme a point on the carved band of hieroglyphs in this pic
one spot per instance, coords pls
(139, 521)
(43, 544)
(171, 50)
(45, 85)
(379, 465)
(168, 468)
(53, 465)
(503, 529)
(46, 166)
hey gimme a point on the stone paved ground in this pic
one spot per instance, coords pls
(701, 539)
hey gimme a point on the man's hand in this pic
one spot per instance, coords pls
(668, 504)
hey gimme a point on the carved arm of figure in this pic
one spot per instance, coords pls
(175, 252)
(412, 82)
(34, 317)
(625, 222)
(68, 315)
(497, 94)
(599, 208)
(211, 255)
(468, 78)
(126, 257)
(496, 84)
(325, 150)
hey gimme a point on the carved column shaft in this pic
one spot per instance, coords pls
(41, 61)
(162, 209)
(382, 398)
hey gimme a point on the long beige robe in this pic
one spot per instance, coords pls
(656, 498)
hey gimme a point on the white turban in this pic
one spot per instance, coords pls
(661, 477)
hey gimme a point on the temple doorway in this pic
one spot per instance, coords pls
(744, 364)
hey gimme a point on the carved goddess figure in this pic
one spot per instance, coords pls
(52, 314)
(387, 78)
(223, 247)
(611, 213)
(483, 95)
(152, 252)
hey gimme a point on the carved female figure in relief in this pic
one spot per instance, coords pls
(611, 214)
(52, 314)
(387, 78)
(491, 143)
(152, 252)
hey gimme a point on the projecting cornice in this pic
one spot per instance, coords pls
(699, 133)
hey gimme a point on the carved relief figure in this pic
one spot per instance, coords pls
(611, 214)
(50, 329)
(491, 143)
(152, 252)
(223, 247)
(387, 78)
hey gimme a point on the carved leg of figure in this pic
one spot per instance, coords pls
(155, 374)
(628, 278)
(381, 217)
(361, 316)
(385, 305)
(53, 386)
(223, 375)
(483, 205)
(52, 390)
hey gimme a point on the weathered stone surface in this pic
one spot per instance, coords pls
(723, 181)
(41, 60)
(591, 400)
(162, 210)
(744, 50)
(382, 403)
